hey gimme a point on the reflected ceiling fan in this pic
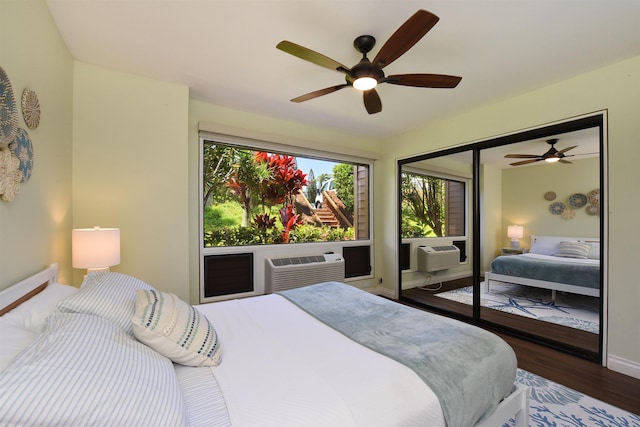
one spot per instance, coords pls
(552, 155)
(367, 74)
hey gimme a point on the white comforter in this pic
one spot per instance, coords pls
(282, 367)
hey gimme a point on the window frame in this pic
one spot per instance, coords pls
(467, 199)
(263, 252)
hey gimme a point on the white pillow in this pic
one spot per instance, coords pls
(594, 253)
(108, 295)
(175, 329)
(84, 370)
(33, 313)
(14, 339)
(573, 250)
(543, 246)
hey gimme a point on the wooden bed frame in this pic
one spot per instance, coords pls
(543, 284)
(16, 294)
(515, 406)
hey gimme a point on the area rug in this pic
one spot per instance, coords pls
(553, 405)
(575, 311)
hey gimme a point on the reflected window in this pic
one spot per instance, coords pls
(432, 206)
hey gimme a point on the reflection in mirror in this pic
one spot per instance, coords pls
(435, 229)
(533, 263)
(543, 276)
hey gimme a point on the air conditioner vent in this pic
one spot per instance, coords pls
(444, 248)
(297, 260)
(295, 272)
(436, 258)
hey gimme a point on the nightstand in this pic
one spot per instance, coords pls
(511, 251)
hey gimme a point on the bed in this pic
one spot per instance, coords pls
(568, 264)
(326, 354)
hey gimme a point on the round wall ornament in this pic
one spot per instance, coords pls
(594, 197)
(550, 195)
(10, 175)
(30, 108)
(22, 149)
(593, 210)
(8, 111)
(556, 208)
(577, 200)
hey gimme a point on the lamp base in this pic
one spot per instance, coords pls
(91, 270)
(515, 244)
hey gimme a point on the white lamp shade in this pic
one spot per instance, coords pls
(94, 248)
(515, 231)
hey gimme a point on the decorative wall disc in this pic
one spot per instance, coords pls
(577, 200)
(550, 195)
(593, 210)
(556, 208)
(594, 197)
(30, 108)
(10, 175)
(8, 111)
(22, 149)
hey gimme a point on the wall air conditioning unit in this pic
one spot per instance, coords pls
(289, 273)
(436, 258)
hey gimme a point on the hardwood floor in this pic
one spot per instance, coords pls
(578, 373)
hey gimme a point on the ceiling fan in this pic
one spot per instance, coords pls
(552, 155)
(367, 74)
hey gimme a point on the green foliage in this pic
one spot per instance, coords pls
(222, 215)
(423, 205)
(217, 165)
(241, 236)
(343, 181)
(246, 190)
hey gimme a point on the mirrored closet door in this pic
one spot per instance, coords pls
(509, 232)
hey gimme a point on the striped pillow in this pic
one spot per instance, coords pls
(85, 371)
(111, 296)
(573, 250)
(175, 329)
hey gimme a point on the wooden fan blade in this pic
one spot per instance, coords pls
(311, 56)
(525, 162)
(521, 156)
(318, 93)
(564, 161)
(372, 101)
(424, 80)
(565, 150)
(405, 37)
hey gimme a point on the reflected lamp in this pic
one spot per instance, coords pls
(515, 233)
(95, 249)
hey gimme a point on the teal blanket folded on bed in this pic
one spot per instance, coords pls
(468, 368)
(560, 271)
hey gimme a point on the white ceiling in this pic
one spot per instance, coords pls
(224, 50)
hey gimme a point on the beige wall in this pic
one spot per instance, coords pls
(35, 227)
(615, 88)
(523, 200)
(130, 170)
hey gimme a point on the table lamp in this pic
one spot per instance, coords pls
(515, 233)
(95, 249)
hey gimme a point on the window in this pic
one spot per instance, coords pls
(256, 197)
(432, 206)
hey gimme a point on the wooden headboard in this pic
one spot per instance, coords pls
(16, 294)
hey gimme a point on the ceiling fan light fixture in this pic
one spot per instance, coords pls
(365, 83)
(552, 159)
